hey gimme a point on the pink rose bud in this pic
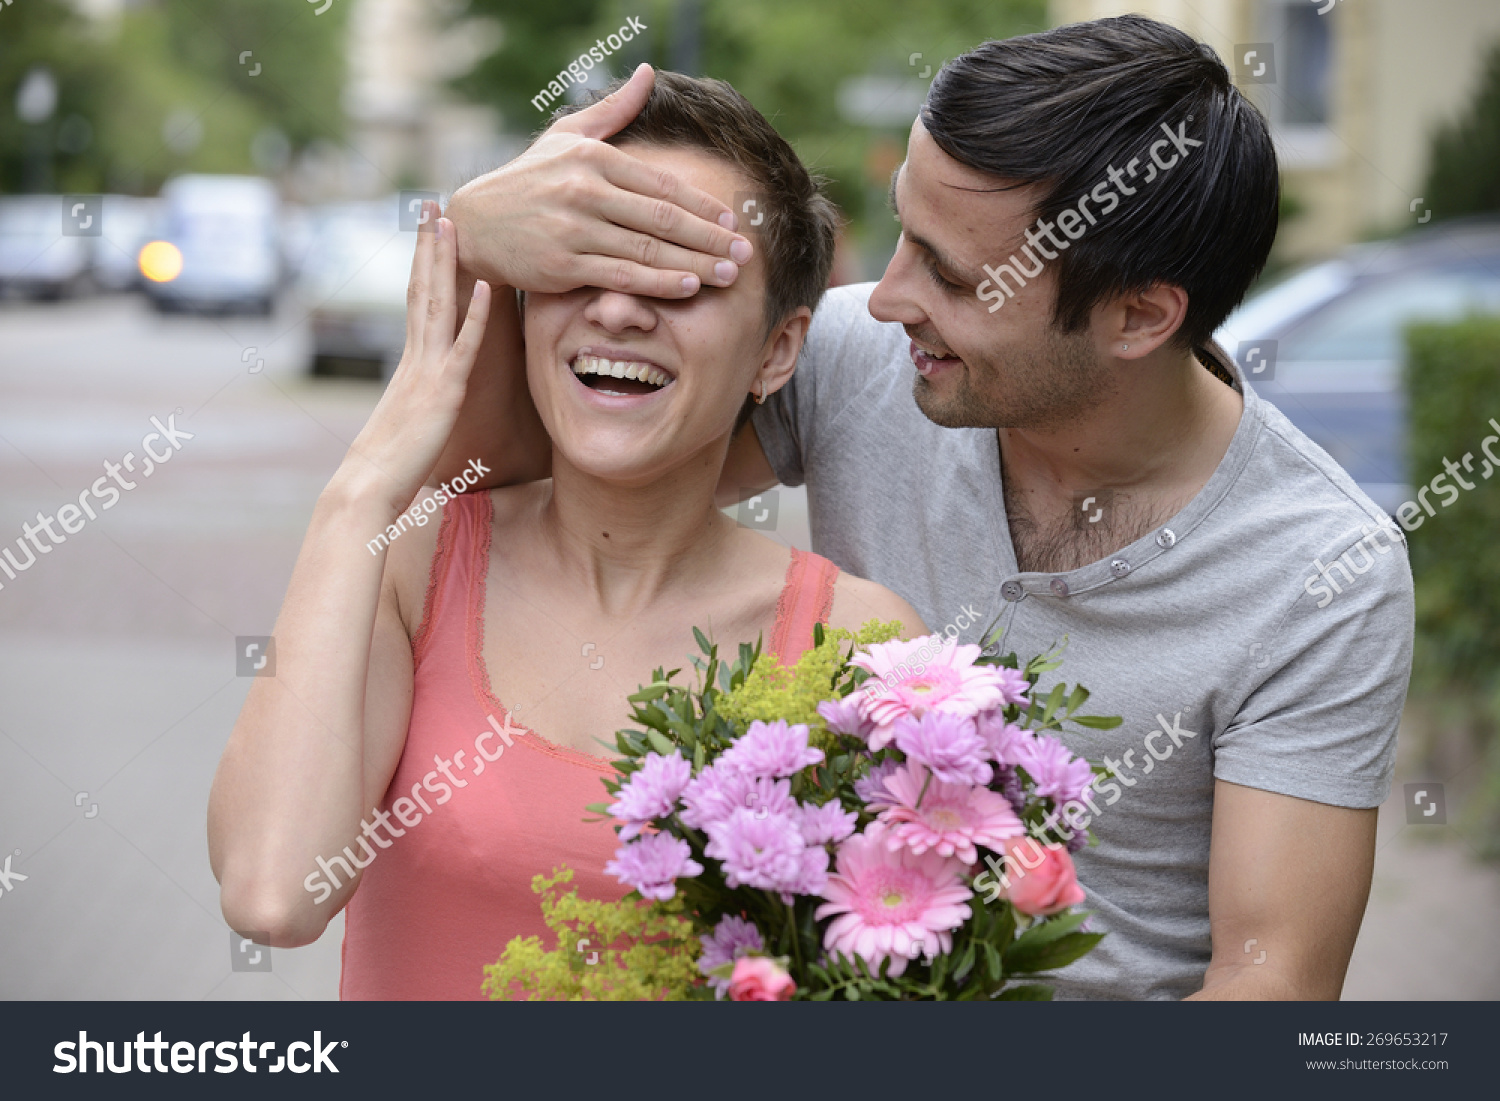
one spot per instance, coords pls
(1042, 878)
(758, 979)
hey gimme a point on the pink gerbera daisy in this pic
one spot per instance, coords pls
(892, 905)
(924, 674)
(950, 819)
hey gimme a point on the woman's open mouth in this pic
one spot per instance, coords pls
(626, 378)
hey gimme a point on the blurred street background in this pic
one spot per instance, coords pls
(206, 218)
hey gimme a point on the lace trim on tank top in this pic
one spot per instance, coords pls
(804, 600)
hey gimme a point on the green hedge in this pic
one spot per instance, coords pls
(1453, 389)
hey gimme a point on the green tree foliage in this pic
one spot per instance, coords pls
(47, 34)
(180, 60)
(1465, 174)
(788, 57)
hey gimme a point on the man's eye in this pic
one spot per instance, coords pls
(944, 284)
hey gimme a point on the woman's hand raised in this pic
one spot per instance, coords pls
(398, 447)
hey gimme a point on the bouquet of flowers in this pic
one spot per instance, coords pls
(879, 821)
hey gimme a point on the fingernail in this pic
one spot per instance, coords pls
(724, 271)
(440, 222)
(740, 250)
(729, 221)
(690, 284)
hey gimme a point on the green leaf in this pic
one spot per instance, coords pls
(1055, 954)
(1077, 699)
(992, 961)
(965, 963)
(1054, 701)
(703, 643)
(660, 744)
(1044, 932)
(1031, 992)
(598, 808)
(1097, 722)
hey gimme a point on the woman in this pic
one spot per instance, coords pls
(434, 728)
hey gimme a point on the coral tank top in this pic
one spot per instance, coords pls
(483, 803)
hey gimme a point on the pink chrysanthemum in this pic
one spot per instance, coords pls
(950, 819)
(716, 793)
(651, 792)
(872, 787)
(732, 938)
(892, 905)
(830, 822)
(770, 749)
(947, 744)
(1004, 741)
(1053, 769)
(653, 864)
(843, 717)
(1013, 684)
(925, 674)
(758, 852)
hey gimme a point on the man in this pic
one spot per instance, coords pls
(1072, 456)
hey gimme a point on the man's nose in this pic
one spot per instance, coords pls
(894, 298)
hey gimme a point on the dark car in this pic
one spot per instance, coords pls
(1326, 345)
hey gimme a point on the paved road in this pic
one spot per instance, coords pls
(118, 685)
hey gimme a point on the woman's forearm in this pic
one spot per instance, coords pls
(292, 785)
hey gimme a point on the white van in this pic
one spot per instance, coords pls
(226, 233)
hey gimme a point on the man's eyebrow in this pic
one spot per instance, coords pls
(941, 258)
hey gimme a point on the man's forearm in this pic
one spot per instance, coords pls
(1255, 984)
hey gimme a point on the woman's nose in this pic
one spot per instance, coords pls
(616, 312)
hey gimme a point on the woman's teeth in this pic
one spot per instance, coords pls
(621, 368)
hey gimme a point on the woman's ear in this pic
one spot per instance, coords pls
(783, 347)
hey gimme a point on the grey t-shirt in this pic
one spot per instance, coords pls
(1258, 637)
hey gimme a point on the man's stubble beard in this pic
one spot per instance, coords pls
(1043, 389)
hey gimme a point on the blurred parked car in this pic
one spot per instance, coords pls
(127, 224)
(216, 245)
(353, 285)
(36, 259)
(1326, 345)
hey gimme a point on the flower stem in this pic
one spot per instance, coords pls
(923, 793)
(791, 914)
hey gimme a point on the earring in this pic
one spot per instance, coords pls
(761, 399)
(1125, 347)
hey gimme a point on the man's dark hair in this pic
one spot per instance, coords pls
(797, 236)
(1061, 107)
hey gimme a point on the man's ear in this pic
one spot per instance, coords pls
(1144, 320)
(783, 347)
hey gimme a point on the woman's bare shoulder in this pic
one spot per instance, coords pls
(856, 601)
(413, 541)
